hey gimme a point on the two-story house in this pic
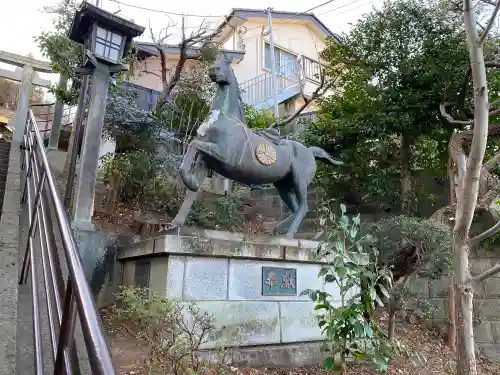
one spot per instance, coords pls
(245, 38)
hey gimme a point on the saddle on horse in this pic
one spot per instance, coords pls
(270, 134)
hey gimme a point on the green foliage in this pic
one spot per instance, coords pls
(226, 215)
(432, 239)
(8, 91)
(142, 181)
(421, 307)
(65, 55)
(348, 329)
(130, 127)
(172, 331)
(257, 119)
(394, 68)
(187, 110)
(227, 211)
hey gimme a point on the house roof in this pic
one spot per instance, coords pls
(237, 15)
(149, 49)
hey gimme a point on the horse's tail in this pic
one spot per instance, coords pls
(323, 156)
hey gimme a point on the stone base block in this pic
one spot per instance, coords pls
(293, 355)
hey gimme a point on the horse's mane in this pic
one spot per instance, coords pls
(234, 81)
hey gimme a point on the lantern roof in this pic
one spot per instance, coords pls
(88, 14)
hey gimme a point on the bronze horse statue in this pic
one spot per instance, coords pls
(226, 145)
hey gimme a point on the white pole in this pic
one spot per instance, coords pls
(273, 62)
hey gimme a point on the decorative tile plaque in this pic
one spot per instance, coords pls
(279, 281)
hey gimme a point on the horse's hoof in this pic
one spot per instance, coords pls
(173, 226)
(191, 183)
(189, 180)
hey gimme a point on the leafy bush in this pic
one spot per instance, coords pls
(347, 325)
(257, 119)
(432, 239)
(430, 257)
(225, 216)
(172, 331)
(142, 180)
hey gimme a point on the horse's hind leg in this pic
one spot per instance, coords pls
(300, 187)
(200, 173)
(287, 194)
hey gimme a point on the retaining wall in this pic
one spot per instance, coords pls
(486, 303)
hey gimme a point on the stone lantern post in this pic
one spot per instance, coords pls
(106, 39)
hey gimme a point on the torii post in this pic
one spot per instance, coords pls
(27, 77)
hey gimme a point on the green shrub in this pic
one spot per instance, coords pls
(348, 327)
(173, 331)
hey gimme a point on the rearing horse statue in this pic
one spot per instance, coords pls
(226, 145)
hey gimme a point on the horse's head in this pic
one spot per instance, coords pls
(221, 72)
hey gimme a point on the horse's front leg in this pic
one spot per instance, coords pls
(187, 177)
(200, 173)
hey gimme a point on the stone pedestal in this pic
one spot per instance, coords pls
(98, 254)
(225, 274)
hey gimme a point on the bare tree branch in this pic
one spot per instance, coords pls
(492, 64)
(485, 235)
(492, 163)
(150, 72)
(201, 36)
(490, 23)
(322, 88)
(449, 118)
(490, 2)
(493, 113)
(486, 274)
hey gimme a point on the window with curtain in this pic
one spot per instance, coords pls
(285, 61)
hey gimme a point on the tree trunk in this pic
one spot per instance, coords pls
(466, 356)
(391, 325)
(452, 323)
(405, 155)
(469, 175)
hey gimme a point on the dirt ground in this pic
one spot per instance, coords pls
(437, 358)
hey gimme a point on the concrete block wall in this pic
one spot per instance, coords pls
(486, 303)
(269, 203)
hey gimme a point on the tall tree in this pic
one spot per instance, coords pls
(393, 69)
(467, 151)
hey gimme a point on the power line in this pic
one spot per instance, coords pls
(348, 10)
(119, 2)
(318, 6)
(301, 13)
(359, 6)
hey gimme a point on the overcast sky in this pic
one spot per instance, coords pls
(23, 19)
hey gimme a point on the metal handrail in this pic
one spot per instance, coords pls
(64, 304)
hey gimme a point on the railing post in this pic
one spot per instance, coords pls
(32, 222)
(67, 329)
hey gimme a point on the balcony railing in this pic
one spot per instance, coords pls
(312, 69)
(50, 259)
